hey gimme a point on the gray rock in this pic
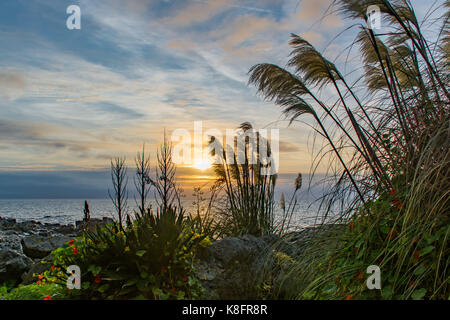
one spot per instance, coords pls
(233, 268)
(29, 226)
(9, 240)
(39, 247)
(7, 223)
(229, 267)
(13, 264)
(65, 229)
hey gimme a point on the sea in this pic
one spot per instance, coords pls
(67, 211)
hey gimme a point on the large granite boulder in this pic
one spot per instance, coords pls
(233, 268)
(229, 267)
(40, 247)
(13, 264)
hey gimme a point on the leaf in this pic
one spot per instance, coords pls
(130, 283)
(125, 291)
(103, 288)
(140, 253)
(419, 270)
(94, 269)
(419, 294)
(386, 292)
(426, 250)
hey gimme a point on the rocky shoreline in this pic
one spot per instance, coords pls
(226, 269)
(24, 245)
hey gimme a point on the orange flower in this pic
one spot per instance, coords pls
(53, 268)
(40, 277)
(48, 298)
(349, 297)
(98, 278)
(359, 275)
(38, 283)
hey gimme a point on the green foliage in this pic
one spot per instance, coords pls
(409, 256)
(50, 291)
(150, 259)
(392, 165)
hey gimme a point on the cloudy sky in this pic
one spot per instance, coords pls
(72, 99)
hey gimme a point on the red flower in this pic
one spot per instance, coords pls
(75, 250)
(359, 275)
(185, 279)
(163, 270)
(349, 297)
(397, 203)
(392, 192)
(98, 278)
(71, 242)
(391, 234)
(53, 268)
(416, 254)
(351, 224)
(47, 298)
(173, 289)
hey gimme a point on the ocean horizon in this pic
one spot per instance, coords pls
(68, 211)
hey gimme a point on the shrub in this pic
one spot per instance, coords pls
(150, 259)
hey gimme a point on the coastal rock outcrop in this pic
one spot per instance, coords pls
(228, 267)
(13, 264)
(25, 247)
(232, 267)
(40, 247)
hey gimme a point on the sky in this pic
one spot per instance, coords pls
(70, 100)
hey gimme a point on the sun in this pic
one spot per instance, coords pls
(202, 164)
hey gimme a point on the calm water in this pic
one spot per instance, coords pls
(67, 211)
